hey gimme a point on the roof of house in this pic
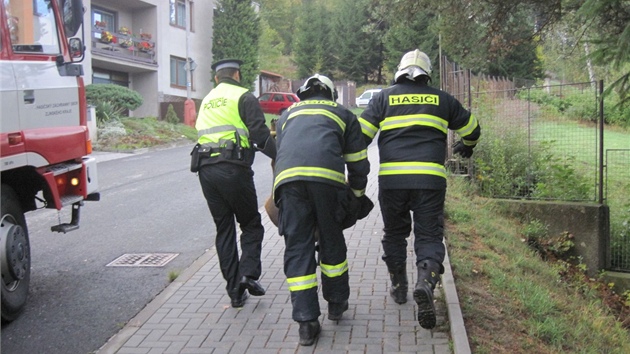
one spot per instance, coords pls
(270, 74)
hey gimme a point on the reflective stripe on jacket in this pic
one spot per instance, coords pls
(414, 119)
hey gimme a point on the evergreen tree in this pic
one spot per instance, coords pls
(409, 34)
(610, 35)
(236, 31)
(353, 45)
(171, 115)
(517, 56)
(494, 38)
(270, 51)
(313, 46)
(280, 15)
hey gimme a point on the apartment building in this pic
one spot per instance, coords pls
(144, 45)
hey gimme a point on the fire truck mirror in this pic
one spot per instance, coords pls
(76, 48)
(72, 16)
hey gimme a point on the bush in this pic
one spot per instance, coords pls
(509, 165)
(581, 104)
(114, 99)
(171, 116)
(106, 112)
(616, 113)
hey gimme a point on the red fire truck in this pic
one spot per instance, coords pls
(44, 139)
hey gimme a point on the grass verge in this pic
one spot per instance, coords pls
(512, 300)
(128, 134)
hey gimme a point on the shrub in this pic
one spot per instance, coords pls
(115, 98)
(510, 165)
(106, 112)
(171, 116)
(581, 104)
(616, 113)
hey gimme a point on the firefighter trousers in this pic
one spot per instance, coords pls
(305, 207)
(426, 206)
(230, 193)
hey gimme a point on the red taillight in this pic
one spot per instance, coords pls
(69, 183)
(61, 181)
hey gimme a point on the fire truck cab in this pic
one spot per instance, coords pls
(44, 139)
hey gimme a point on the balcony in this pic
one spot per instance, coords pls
(123, 46)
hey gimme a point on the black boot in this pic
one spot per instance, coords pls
(400, 284)
(428, 276)
(336, 310)
(309, 330)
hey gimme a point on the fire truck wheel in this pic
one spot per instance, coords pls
(15, 255)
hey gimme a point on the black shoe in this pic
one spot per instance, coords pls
(399, 295)
(239, 301)
(423, 294)
(399, 283)
(336, 310)
(252, 286)
(309, 331)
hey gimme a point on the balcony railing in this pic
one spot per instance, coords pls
(123, 46)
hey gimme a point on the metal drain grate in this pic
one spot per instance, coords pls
(143, 260)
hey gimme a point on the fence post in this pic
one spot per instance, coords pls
(601, 141)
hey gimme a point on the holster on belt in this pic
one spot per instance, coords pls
(227, 150)
(196, 154)
(194, 159)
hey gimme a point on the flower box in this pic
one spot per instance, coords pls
(124, 30)
(145, 36)
(107, 37)
(145, 47)
(126, 43)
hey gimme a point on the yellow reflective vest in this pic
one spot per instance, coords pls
(218, 120)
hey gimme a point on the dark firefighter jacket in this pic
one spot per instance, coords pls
(231, 126)
(316, 140)
(414, 119)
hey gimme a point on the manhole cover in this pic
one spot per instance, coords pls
(143, 260)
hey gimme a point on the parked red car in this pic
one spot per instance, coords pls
(277, 102)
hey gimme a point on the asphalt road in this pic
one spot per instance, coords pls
(150, 203)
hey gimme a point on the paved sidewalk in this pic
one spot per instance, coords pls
(193, 314)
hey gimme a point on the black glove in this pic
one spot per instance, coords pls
(463, 150)
(366, 206)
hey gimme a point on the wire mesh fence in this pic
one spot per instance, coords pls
(545, 143)
(538, 142)
(617, 163)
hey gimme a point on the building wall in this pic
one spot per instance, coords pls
(152, 80)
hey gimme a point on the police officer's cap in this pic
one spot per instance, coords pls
(227, 63)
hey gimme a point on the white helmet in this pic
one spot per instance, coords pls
(317, 80)
(414, 64)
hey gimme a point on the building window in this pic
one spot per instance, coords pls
(178, 13)
(178, 73)
(102, 76)
(103, 20)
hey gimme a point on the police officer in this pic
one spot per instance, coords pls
(317, 139)
(231, 128)
(414, 119)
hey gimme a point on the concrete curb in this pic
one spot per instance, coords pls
(455, 317)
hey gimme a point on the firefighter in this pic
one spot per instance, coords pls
(317, 140)
(231, 128)
(414, 119)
